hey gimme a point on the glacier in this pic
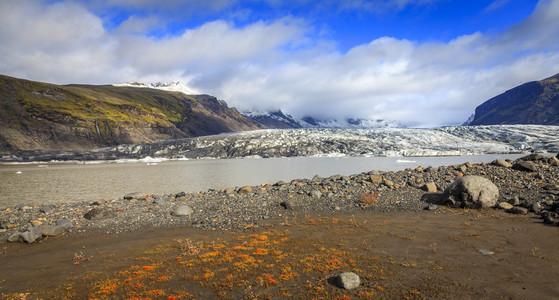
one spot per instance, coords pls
(400, 142)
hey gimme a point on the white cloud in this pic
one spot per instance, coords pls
(280, 64)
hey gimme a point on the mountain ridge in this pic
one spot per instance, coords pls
(534, 102)
(43, 116)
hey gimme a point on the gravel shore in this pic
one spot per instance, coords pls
(527, 184)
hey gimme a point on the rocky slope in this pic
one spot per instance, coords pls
(41, 116)
(535, 102)
(461, 140)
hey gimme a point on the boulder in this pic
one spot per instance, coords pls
(348, 281)
(159, 201)
(471, 192)
(182, 210)
(98, 214)
(388, 183)
(15, 237)
(525, 166)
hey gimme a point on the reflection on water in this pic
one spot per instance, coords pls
(32, 184)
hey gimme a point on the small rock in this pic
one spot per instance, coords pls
(536, 208)
(36, 222)
(504, 205)
(14, 238)
(388, 183)
(137, 195)
(245, 190)
(432, 207)
(286, 205)
(532, 157)
(65, 223)
(181, 194)
(517, 210)
(315, 194)
(348, 280)
(52, 230)
(98, 214)
(46, 208)
(31, 235)
(375, 179)
(525, 166)
(502, 163)
(182, 210)
(486, 252)
(430, 187)
(159, 201)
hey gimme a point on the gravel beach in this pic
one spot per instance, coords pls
(527, 184)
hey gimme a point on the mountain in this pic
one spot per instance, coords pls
(280, 120)
(42, 116)
(535, 102)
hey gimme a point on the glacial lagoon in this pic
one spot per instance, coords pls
(90, 181)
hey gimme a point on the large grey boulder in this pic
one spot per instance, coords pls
(31, 235)
(348, 281)
(52, 230)
(471, 192)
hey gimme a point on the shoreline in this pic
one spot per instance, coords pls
(231, 208)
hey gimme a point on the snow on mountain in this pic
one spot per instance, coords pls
(279, 120)
(174, 86)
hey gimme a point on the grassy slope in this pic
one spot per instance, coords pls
(36, 116)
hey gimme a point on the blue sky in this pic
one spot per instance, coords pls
(423, 63)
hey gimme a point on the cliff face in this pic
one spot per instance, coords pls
(535, 102)
(41, 116)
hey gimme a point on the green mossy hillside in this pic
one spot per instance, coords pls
(42, 116)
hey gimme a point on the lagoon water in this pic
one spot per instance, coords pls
(75, 182)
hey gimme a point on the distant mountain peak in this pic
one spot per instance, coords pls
(174, 86)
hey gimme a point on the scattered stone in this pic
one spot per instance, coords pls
(430, 187)
(388, 183)
(15, 237)
(502, 163)
(486, 252)
(182, 210)
(31, 235)
(159, 201)
(517, 210)
(532, 157)
(432, 207)
(286, 205)
(181, 194)
(245, 190)
(348, 281)
(536, 207)
(52, 230)
(504, 205)
(46, 208)
(549, 217)
(315, 194)
(375, 179)
(471, 192)
(137, 195)
(525, 166)
(65, 223)
(98, 214)
(36, 222)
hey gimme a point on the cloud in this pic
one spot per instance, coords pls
(282, 63)
(495, 5)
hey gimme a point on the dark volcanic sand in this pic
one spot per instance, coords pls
(396, 254)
